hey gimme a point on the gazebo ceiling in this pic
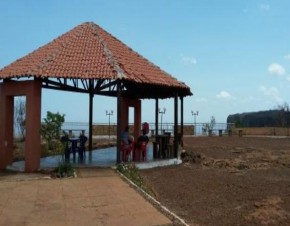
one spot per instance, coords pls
(89, 59)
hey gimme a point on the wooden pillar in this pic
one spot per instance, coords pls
(119, 129)
(181, 120)
(137, 119)
(175, 144)
(91, 102)
(181, 117)
(124, 113)
(156, 115)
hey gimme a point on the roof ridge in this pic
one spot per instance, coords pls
(130, 49)
(120, 72)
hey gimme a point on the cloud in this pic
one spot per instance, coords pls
(189, 60)
(265, 7)
(276, 69)
(271, 92)
(225, 95)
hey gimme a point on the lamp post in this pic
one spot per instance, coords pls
(162, 112)
(194, 114)
(109, 113)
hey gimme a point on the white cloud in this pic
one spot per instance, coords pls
(271, 92)
(190, 60)
(264, 7)
(276, 69)
(225, 95)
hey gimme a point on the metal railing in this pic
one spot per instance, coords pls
(103, 128)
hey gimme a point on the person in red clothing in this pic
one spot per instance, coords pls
(143, 137)
(145, 127)
(141, 145)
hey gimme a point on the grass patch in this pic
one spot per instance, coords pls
(64, 169)
(130, 171)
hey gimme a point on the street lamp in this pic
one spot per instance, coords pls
(162, 112)
(109, 113)
(194, 114)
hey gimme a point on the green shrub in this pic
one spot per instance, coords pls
(64, 169)
(130, 171)
(50, 129)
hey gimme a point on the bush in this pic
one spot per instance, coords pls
(64, 169)
(50, 129)
(130, 171)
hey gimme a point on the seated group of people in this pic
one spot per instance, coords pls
(130, 145)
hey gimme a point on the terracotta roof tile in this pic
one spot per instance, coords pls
(87, 51)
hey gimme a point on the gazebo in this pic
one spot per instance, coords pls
(86, 59)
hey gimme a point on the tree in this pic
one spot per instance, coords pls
(209, 126)
(20, 117)
(283, 119)
(50, 129)
(238, 124)
(212, 123)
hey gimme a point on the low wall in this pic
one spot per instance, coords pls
(187, 130)
(99, 130)
(262, 131)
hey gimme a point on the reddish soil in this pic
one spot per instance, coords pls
(227, 181)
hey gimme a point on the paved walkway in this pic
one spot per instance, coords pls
(96, 197)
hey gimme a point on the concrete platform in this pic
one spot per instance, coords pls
(96, 197)
(105, 157)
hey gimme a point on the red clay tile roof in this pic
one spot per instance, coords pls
(89, 52)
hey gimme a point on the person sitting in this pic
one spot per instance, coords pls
(143, 137)
(125, 137)
(141, 145)
(64, 139)
(127, 141)
(82, 147)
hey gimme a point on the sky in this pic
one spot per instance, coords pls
(233, 54)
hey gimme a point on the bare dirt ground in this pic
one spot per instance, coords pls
(227, 181)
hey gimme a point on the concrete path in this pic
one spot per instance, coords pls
(96, 197)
